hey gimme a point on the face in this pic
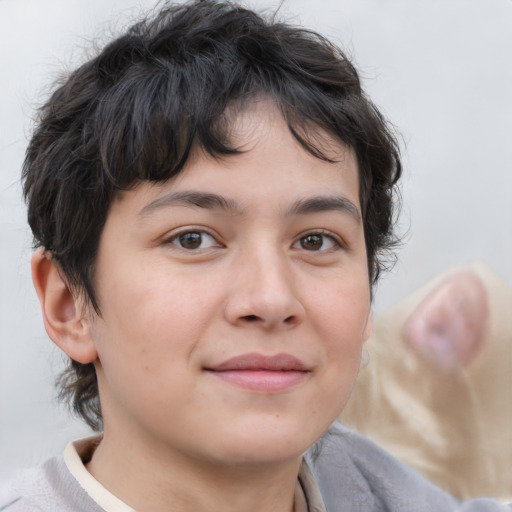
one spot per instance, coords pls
(234, 300)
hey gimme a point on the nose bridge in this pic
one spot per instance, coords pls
(263, 289)
(270, 271)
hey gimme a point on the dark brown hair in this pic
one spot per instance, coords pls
(134, 112)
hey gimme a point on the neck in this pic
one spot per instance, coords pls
(157, 479)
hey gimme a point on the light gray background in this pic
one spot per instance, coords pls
(440, 69)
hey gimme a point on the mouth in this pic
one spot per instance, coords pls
(257, 372)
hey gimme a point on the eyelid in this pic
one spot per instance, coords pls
(175, 233)
(340, 243)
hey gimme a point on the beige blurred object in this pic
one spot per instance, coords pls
(438, 390)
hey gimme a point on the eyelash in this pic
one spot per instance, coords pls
(337, 244)
(176, 239)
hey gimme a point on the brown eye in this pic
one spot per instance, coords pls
(317, 242)
(312, 242)
(190, 240)
(193, 240)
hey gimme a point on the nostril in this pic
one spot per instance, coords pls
(251, 318)
(290, 319)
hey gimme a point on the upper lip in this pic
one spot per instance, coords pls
(254, 361)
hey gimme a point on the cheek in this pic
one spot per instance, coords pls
(340, 328)
(341, 313)
(340, 320)
(154, 318)
(145, 341)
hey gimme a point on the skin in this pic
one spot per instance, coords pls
(183, 288)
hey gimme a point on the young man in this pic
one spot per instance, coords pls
(211, 196)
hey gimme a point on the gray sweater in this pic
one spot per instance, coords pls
(351, 473)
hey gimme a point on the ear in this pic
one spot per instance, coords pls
(368, 328)
(63, 314)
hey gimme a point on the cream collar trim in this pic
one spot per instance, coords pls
(73, 455)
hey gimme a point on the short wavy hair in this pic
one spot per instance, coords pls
(135, 111)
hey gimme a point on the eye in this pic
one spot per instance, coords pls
(317, 242)
(193, 240)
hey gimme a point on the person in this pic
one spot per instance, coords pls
(212, 197)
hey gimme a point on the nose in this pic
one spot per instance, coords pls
(264, 293)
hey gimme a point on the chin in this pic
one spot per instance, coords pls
(269, 443)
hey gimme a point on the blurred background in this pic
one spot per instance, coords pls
(440, 70)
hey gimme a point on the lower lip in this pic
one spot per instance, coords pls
(262, 380)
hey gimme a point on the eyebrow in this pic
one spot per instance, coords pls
(326, 203)
(192, 198)
(212, 201)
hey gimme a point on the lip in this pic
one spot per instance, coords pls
(255, 361)
(257, 372)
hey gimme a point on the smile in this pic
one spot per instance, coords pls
(267, 374)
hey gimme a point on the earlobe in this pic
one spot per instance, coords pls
(63, 314)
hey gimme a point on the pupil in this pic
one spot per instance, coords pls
(312, 242)
(190, 240)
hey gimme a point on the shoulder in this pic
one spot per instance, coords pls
(47, 488)
(21, 492)
(354, 473)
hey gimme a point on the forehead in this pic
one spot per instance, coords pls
(249, 121)
(270, 170)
